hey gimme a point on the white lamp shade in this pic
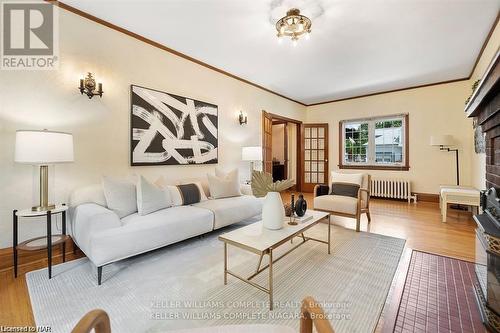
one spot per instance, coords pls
(251, 153)
(441, 140)
(43, 147)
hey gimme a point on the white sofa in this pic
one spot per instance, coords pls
(105, 238)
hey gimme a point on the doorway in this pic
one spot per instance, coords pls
(281, 142)
(300, 154)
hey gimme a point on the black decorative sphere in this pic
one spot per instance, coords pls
(300, 206)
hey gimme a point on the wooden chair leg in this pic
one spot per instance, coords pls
(358, 221)
(368, 216)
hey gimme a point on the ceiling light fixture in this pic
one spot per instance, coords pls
(293, 25)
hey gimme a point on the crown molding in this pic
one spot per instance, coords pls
(390, 91)
(162, 47)
(141, 38)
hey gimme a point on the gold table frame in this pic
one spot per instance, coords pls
(269, 252)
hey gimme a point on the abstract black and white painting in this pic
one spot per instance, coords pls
(167, 129)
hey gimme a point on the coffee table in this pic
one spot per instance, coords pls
(259, 240)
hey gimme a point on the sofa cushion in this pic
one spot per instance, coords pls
(144, 233)
(232, 210)
(120, 196)
(336, 203)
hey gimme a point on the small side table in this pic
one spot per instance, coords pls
(42, 242)
(459, 195)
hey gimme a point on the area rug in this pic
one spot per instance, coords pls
(439, 296)
(181, 286)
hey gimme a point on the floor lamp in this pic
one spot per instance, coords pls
(444, 142)
(251, 154)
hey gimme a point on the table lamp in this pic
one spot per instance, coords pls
(42, 148)
(251, 154)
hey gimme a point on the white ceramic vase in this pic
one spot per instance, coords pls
(273, 212)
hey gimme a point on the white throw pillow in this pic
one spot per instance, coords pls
(348, 178)
(175, 195)
(88, 194)
(224, 185)
(151, 198)
(120, 196)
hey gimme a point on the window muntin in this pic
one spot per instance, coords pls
(375, 141)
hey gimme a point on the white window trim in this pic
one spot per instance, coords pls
(371, 141)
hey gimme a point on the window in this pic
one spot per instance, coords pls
(375, 143)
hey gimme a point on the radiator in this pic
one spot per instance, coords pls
(392, 188)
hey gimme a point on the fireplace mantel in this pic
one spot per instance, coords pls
(484, 106)
(486, 91)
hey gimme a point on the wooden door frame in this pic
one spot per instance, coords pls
(327, 149)
(300, 152)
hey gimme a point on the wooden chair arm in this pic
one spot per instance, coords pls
(315, 190)
(364, 190)
(96, 319)
(311, 312)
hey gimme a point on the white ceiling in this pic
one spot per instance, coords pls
(356, 47)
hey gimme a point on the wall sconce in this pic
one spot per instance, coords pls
(87, 87)
(242, 118)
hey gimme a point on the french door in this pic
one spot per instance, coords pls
(315, 156)
(267, 142)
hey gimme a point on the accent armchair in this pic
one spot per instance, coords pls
(347, 206)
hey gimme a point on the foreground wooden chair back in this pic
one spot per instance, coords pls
(313, 313)
(95, 319)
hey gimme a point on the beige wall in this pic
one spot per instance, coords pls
(432, 110)
(50, 99)
(279, 143)
(478, 162)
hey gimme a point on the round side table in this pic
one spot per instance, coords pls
(38, 243)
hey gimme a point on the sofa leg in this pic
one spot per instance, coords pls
(99, 275)
(369, 217)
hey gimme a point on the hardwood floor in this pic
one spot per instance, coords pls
(420, 224)
(15, 306)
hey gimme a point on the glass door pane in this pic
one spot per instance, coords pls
(315, 155)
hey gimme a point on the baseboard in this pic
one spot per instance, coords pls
(29, 257)
(427, 197)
